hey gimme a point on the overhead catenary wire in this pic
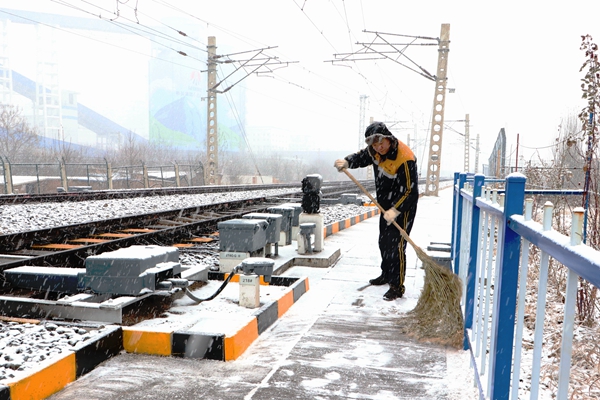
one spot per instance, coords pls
(369, 84)
(138, 29)
(96, 40)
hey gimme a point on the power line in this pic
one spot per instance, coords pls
(132, 28)
(314, 25)
(95, 40)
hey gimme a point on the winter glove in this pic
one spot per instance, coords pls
(390, 215)
(340, 164)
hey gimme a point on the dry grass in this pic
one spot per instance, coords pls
(585, 356)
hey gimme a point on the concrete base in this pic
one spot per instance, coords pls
(285, 239)
(249, 291)
(289, 257)
(318, 220)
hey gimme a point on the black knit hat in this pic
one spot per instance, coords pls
(375, 132)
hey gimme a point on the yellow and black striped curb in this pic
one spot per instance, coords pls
(335, 227)
(53, 378)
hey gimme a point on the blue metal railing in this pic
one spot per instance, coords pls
(491, 238)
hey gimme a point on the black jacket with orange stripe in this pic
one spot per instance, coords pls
(396, 177)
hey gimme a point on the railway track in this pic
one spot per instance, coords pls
(191, 229)
(70, 245)
(7, 199)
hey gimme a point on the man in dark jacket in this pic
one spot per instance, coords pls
(397, 187)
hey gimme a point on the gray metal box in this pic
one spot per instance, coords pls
(54, 279)
(350, 198)
(287, 213)
(297, 207)
(243, 235)
(274, 221)
(133, 270)
(146, 282)
(130, 261)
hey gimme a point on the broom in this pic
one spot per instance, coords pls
(437, 317)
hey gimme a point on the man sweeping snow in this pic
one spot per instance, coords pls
(397, 187)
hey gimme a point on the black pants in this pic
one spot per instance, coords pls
(392, 246)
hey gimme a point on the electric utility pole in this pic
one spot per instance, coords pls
(260, 64)
(477, 154)
(361, 122)
(467, 145)
(437, 119)
(379, 49)
(212, 139)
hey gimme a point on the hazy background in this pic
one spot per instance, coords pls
(513, 65)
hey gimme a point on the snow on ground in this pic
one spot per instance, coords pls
(24, 347)
(34, 216)
(184, 313)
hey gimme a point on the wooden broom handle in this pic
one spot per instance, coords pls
(402, 231)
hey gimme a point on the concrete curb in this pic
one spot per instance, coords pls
(222, 347)
(54, 377)
(335, 227)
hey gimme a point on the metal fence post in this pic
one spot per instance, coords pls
(503, 324)
(454, 200)
(87, 171)
(202, 181)
(458, 226)
(109, 175)
(177, 180)
(8, 182)
(63, 174)
(145, 173)
(37, 178)
(566, 349)
(474, 243)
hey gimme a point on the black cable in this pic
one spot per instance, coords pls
(198, 300)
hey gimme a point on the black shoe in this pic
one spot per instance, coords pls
(394, 293)
(380, 280)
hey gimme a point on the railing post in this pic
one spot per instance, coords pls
(521, 303)
(472, 262)
(37, 178)
(566, 348)
(145, 173)
(109, 175)
(202, 181)
(458, 225)
(63, 174)
(454, 200)
(177, 180)
(503, 324)
(8, 182)
(87, 171)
